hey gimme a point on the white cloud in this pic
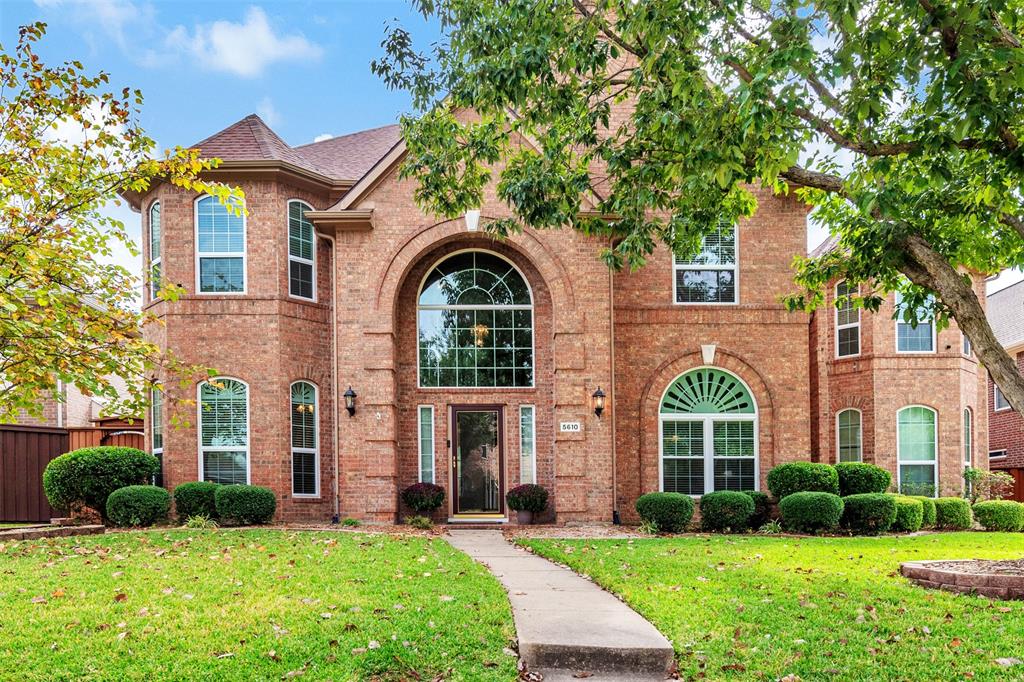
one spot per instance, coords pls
(268, 112)
(122, 21)
(244, 49)
(322, 136)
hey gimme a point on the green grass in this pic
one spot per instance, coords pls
(744, 607)
(241, 605)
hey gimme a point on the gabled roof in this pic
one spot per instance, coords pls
(824, 247)
(349, 157)
(1005, 313)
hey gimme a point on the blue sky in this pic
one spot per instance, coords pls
(302, 65)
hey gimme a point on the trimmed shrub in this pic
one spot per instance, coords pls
(726, 510)
(1004, 515)
(762, 508)
(800, 477)
(669, 512)
(868, 513)
(89, 475)
(423, 497)
(197, 498)
(909, 514)
(138, 505)
(245, 504)
(527, 497)
(811, 512)
(857, 478)
(927, 510)
(953, 513)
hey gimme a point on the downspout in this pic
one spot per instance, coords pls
(616, 519)
(336, 518)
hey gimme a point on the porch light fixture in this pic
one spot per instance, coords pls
(350, 401)
(473, 219)
(598, 402)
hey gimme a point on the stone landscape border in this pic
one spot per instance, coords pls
(993, 585)
(48, 531)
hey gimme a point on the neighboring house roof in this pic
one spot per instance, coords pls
(826, 246)
(1005, 312)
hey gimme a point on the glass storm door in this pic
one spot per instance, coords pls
(478, 460)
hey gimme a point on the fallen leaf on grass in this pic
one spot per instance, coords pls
(272, 655)
(582, 674)
(120, 596)
(1009, 662)
(38, 600)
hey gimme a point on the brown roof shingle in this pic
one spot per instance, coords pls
(349, 157)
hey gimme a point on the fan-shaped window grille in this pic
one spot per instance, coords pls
(707, 391)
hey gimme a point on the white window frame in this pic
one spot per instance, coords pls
(709, 434)
(897, 299)
(918, 462)
(419, 444)
(997, 454)
(998, 397)
(533, 444)
(315, 450)
(849, 325)
(156, 424)
(199, 256)
(297, 259)
(225, 448)
(686, 265)
(966, 348)
(156, 262)
(968, 437)
(860, 434)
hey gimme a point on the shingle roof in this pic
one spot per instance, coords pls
(824, 247)
(350, 156)
(1005, 312)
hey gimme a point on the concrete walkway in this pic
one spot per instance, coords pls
(565, 623)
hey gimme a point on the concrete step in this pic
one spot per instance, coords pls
(558, 675)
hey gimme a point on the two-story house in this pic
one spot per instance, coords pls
(364, 346)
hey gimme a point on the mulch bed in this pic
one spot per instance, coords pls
(981, 566)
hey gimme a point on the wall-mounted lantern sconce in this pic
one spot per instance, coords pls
(598, 402)
(473, 219)
(350, 401)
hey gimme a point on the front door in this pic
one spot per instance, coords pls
(477, 460)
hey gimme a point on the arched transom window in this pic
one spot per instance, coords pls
(475, 324)
(708, 434)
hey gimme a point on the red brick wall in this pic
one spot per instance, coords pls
(1006, 427)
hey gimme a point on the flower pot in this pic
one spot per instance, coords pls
(525, 518)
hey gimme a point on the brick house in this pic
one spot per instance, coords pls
(1006, 427)
(479, 364)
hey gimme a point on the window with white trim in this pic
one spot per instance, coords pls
(847, 321)
(968, 440)
(998, 399)
(708, 434)
(224, 431)
(911, 338)
(711, 275)
(916, 451)
(848, 436)
(156, 430)
(301, 252)
(527, 444)
(154, 250)
(996, 454)
(967, 349)
(220, 239)
(426, 441)
(305, 440)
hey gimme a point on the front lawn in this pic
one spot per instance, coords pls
(241, 605)
(748, 607)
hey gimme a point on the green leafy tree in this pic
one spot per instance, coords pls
(899, 121)
(67, 147)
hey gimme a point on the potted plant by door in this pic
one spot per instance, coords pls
(526, 500)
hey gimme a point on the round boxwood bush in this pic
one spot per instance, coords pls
(669, 512)
(245, 504)
(811, 512)
(953, 513)
(423, 497)
(800, 477)
(868, 513)
(927, 510)
(1004, 515)
(909, 514)
(527, 497)
(762, 508)
(726, 510)
(138, 505)
(197, 498)
(89, 475)
(856, 478)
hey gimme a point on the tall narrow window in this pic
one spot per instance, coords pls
(156, 430)
(911, 339)
(224, 431)
(708, 434)
(916, 451)
(847, 321)
(998, 399)
(710, 276)
(967, 349)
(301, 252)
(527, 445)
(305, 450)
(154, 250)
(848, 436)
(968, 445)
(426, 439)
(220, 239)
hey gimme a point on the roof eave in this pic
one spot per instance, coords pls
(333, 221)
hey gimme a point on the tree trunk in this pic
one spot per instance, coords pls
(926, 267)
